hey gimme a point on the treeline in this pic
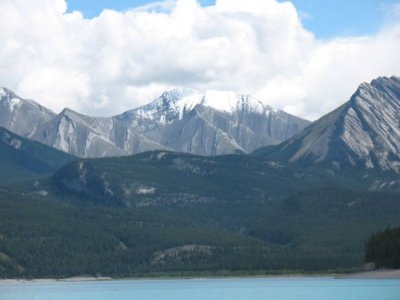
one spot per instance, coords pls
(383, 249)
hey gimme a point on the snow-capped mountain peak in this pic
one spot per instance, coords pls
(231, 102)
(176, 103)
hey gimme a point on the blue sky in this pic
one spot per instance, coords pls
(92, 8)
(343, 17)
(324, 18)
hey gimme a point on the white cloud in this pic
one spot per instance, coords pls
(119, 60)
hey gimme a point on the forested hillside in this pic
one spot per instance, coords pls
(383, 249)
(23, 159)
(42, 236)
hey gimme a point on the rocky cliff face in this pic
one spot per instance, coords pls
(363, 132)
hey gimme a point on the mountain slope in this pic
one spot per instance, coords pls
(81, 135)
(163, 178)
(171, 212)
(213, 122)
(20, 115)
(363, 133)
(23, 159)
(206, 123)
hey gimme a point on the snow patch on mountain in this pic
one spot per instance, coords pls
(3, 92)
(143, 190)
(231, 102)
(175, 104)
(14, 103)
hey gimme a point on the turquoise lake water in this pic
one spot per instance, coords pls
(208, 289)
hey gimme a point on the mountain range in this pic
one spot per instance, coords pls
(305, 205)
(355, 146)
(183, 120)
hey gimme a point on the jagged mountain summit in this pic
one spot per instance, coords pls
(183, 120)
(211, 122)
(364, 132)
(21, 116)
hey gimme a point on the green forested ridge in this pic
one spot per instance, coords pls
(383, 249)
(22, 159)
(45, 237)
(163, 178)
(172, 213)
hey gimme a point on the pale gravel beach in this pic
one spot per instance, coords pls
(378, 274)
(44, 281)
(24, 281)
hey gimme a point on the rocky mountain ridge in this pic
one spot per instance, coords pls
(183, 120)
(364, 132)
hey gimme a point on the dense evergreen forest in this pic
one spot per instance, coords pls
(41, 236)
(383, 249)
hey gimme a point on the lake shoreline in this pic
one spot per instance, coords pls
(377, 274)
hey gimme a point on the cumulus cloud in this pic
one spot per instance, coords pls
(120, 60)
